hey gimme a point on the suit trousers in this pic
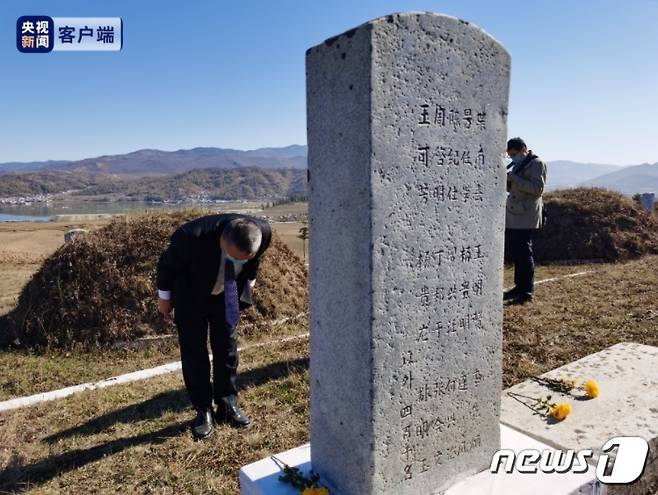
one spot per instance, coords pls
(519, 242)
(193, 328)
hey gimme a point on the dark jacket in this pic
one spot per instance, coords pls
(188, 267)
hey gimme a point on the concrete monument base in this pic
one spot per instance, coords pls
(627, 405)
(262, 477)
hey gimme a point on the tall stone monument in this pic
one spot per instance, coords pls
(406, 130)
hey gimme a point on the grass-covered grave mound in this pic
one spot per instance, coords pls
(595, 224)
(100, 288)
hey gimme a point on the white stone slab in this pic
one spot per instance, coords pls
(627, 375)
(261, 478)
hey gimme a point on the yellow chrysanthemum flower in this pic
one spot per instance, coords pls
(591, 389)
(560, 411)
(315, 491)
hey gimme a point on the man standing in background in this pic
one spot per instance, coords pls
(524, 216)
(206, 275)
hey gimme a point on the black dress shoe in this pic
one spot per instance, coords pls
(202, 424)
(510, 294)
(228, 411)
(519, 300)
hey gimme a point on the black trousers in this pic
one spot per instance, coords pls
(519, 242)
(193, 326)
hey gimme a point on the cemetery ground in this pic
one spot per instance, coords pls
(135, 437)
(580, 314)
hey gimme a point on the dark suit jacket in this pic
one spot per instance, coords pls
(189, 266)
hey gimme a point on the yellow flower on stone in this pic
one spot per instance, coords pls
(591, 389)
(315, 491)
(560, 411)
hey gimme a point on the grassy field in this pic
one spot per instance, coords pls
(573, 317)
(288, 232)
(25, 373)
(23, 246)
(294, 208)
(134, 438)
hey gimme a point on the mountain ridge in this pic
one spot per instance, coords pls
(154, 162)
(150, 162)
(630, 180)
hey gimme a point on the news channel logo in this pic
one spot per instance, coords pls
(43, 34)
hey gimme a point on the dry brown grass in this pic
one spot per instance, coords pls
(23, 372)
(574, 317)
(100, 289)
(23, 247)
(134, 438)
(288, 233)
(594, 223)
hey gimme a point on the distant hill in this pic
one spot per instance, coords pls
(209, 183)
(121, 174)
(563, 173)
(629, 180)
(148, 162)
(292, 151)
(46, 182)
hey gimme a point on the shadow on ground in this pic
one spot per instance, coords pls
(18, 477)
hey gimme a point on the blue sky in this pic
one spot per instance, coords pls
(231, 74)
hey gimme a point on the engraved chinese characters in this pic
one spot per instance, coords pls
(406, 124)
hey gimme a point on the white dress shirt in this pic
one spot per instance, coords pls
(218, 288)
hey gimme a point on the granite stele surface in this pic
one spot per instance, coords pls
(406, 128)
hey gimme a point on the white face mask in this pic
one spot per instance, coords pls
(235, 261)
(518, 158)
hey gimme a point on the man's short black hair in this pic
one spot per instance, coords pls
(516, 144)
(244, 234)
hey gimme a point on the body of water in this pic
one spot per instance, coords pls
(9, 217)
(42, 212)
